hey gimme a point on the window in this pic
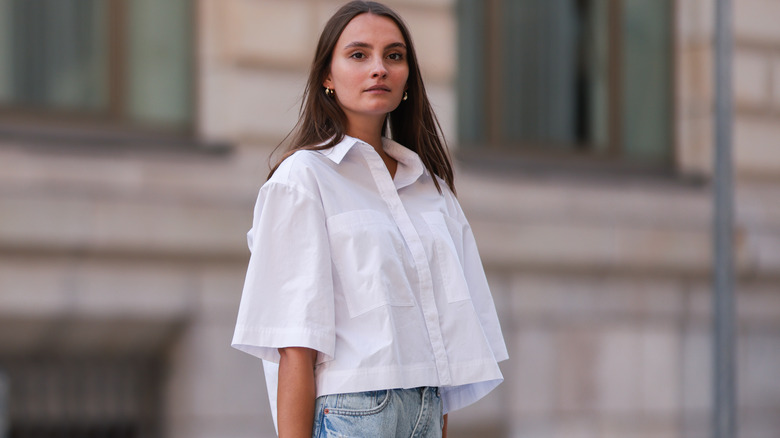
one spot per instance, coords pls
(566, 76)
(127, 62)
(80, 396)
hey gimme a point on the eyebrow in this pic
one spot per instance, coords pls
(363, 45)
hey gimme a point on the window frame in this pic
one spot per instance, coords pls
(134, 410)
(112, 120)
(493, 152)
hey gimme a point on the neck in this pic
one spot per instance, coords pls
(369, 132)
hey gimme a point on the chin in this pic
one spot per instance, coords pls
(384, 109)
(379, 110)
(372, 110)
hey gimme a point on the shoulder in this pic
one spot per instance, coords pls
(302, 163)
(301, 171)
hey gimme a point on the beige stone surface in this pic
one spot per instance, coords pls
(576, 369)
(558, 223)
(766, 247)
(619, 372)
(259, 52)
(126, 288)
(33, 287)
(661, 376)
(209, 22)
(488, 413)
(216, 113)
(756, 142)
(121, 226)
(631, 428)
(595, 298)
(757, 20)
(444, 104)
(250, 103)
(539, 296)
(694, 20)
(755, 208)
(696, 368)
(441, 4)
(210, 427)
(152, 173)
(699, 301)
(30, 222)
(751, 79)
(693, 100)
(695, 79)
(574, 330)
(613, 201)
(602, 285)
(523, 427)
(530, 385)
(758, 354)
(214, 382)
(593, 247)
(325, 9)
(268, 33)
(577, 427)
(756, 213)
(776, 83)
(694, 156)
(92, 305)
(219, 290)
(434, 37)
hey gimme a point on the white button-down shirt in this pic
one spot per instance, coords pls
(380, 275)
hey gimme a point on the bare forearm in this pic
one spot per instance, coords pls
(296, 392)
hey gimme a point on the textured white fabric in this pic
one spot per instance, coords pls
(380, 275)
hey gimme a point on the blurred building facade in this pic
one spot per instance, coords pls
(134, 135)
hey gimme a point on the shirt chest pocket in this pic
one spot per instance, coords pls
(369, 256)
(447, 235)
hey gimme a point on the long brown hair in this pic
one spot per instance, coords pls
(322, 123)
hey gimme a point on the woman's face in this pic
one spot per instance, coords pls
(368, 70)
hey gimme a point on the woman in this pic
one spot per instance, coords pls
(365, 296)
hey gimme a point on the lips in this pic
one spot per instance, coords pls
(378, 88)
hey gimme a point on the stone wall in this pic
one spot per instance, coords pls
(605, 302)
(255, 56)
(756, 79)
(602, 281)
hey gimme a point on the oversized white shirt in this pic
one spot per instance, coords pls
(380, 275)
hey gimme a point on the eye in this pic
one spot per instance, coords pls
(396, 56)
(357, 55)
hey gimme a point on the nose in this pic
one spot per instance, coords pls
(378, 69)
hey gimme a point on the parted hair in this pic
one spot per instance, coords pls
(322, 123)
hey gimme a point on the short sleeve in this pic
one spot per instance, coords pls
(287, 299)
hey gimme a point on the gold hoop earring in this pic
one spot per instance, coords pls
(329, 92)
(406, 95)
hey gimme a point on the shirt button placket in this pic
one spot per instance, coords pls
(389, 194)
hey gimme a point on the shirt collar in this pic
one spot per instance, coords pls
(410, 166)
(340, 149)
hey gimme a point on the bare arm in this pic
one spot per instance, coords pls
(295, 394)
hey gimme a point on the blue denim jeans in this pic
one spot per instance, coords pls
(393, 413)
